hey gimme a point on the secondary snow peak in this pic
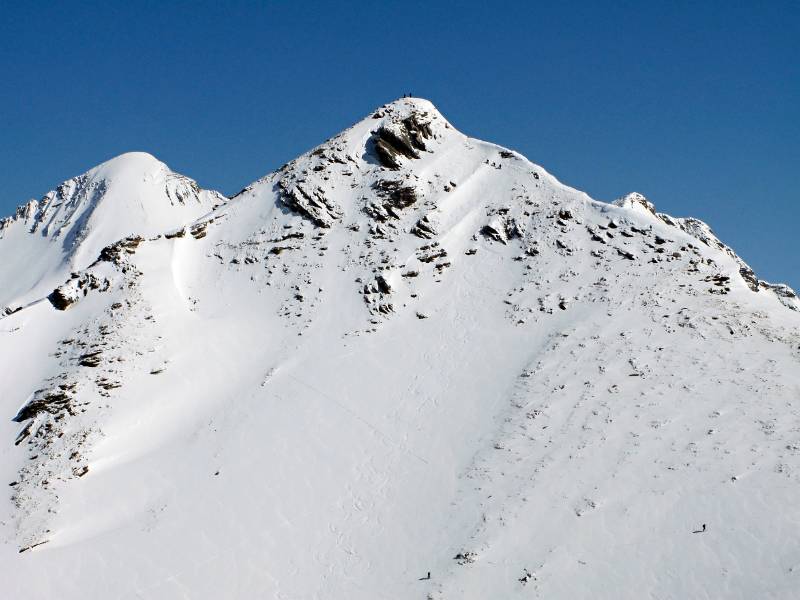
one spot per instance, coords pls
(131, 194)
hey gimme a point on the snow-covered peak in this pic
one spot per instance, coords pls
(126, 164)
(636, 201)
(405, 107)
(131, 194)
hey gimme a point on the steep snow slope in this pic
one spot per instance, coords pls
(407, 351)
(65, 230)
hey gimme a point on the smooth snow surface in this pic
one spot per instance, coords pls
(406, 351)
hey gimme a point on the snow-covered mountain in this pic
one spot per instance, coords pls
(405, 352)
(133, 194)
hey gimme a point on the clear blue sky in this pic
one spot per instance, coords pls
(696, 105)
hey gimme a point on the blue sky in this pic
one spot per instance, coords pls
(696, 105)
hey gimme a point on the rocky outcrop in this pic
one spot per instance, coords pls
(377, 296)
(393, 197)
(785, 294)
(424, 228)
(113, 253)
(501, 229)
(403, 138)
(78, 286)
(311, 204)
(51, 401)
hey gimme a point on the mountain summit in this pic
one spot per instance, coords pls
(131, 194)
(407, 364)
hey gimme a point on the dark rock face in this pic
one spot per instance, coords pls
(60, 300)
(393, 197)
(749, 277)
(377, 296)
(490, 232)
(51, 401)
(199, 231)
(90, 359)
(383, 285)
(424, 229)
(175, 234)
(404, 138)
(115, 251)
(428, 254)
(501, 229)
(396, 194)
(625, 254)
(75, 288)
(313, 205)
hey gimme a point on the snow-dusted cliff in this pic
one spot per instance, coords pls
(406, 351)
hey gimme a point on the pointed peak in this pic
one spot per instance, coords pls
(636, 201)
(407, 106)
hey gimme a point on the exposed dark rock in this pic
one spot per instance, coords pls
(199, 231)
(107, 384)
(501, 229)
(114, 252)
(276, 250)
(593, 235)
(294, 235)
(429, 254)
(77, 286)
(26, 548)
(423, 229)
(383, 285)
(401, 139)
(465, 557)
(442, 266)
(90, 359)
(51, 401)
(312, 205)
(512, 228)
(176, 234)
(395, 196)
(490, 231)
(749, 277)
(60, 300)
